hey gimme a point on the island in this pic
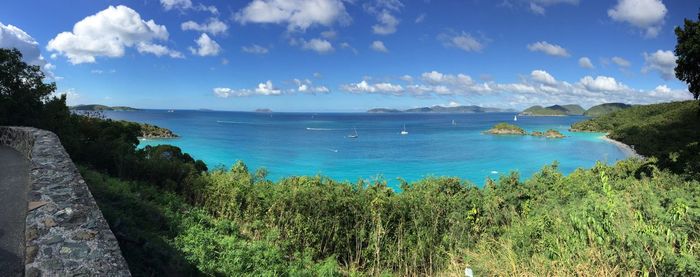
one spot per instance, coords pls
(96, 107)
(149, 131)
(606, 108)
(551, 133)
(554, 110)
(506, 129)
(442, 109)
(265, 110)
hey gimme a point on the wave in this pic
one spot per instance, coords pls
(321, 129)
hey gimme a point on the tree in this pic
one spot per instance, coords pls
(688, 53)
(23, 92)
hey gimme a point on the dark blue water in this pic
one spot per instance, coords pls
(308, 143)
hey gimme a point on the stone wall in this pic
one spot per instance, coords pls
(65, 233)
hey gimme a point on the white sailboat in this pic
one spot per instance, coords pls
(353, 135)
(404, 132)
(515, 118)
(453, 122)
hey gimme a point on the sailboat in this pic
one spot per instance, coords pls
(453, 122)
(404, 132)
(353, 135)
(515, 118)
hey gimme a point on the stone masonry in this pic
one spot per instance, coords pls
(65, 232)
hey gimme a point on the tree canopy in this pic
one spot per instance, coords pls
(688, 53)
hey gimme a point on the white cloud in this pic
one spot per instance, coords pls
(267, 89)
(345, 45)
(13, 37)
(378, 46)
(538, 6)
(420, 18)
(620, 62)
(387, 24)
(158, 50)
(213, 26)
(644, 14)
(186, 5)
(107, 34)
(255, 49)
(585, 62)
(297, 14)
(321, 46)
(543, 77)
(72, 97)
(306, 86)
(548, 48)
(663, 62)
(206, 46)
(330, 34)
(602, 83)
(463, 41)
(365, 87)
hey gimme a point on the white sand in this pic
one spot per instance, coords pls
(624, 147)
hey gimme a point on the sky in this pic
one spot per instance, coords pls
(351, 55)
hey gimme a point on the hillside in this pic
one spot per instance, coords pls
(668, 131)
(96, 107)
(606, 108)
(441, 109)
(554, 110)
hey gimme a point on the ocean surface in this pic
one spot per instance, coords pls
(317, 143)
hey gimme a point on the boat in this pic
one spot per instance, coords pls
(453, 122)
(171, 111)
(353, 135)
(515, 118)
(404, 132)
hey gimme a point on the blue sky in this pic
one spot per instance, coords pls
(335, 55)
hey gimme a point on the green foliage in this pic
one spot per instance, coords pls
(606, 108)
(506, 128)
(667, 131)
(555, 110)
(688, 53)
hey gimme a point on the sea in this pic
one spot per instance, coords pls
(444, 144)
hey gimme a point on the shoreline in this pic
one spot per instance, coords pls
(624, 147)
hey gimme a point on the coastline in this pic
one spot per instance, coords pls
(624, 147)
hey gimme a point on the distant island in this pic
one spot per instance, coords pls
(554, 110)
(263, 111)
(441, 109)
(96, 107)
(510, 129)
(573, 109)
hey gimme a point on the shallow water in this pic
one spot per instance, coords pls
(317, 143)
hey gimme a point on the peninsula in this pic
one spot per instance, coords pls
(96, 107)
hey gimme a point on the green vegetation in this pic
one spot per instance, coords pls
(555, 110)
(95, 107)
(606, 108)
(506, 129)
(688, 53)
(153, 131)
(551, 133)
(668, 131)
(174, 217)
(383, 110)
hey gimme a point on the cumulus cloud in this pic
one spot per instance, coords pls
(320, 46)
(538, 6)
(213, 26)
(384, 11)
(386, 25)
(267, 89)
(463, 41)
(601, 83)
(306, 86)
(158, 50)
(255, 49)
(186, 5)
(585, 62)
(13, 37)
(663, 62)
(620, 62)
(543, 77)
(378, 46)
(420, 18)
(381, 88)
(107, 34)
(548, 48)
(298, 15)
(205, 46)
(647, 15)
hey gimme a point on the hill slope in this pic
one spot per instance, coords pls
(96, 107)
(606, 108)
(554, 110)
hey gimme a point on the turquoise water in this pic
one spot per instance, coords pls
(308, 144)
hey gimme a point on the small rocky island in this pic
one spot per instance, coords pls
(510, 129)
(506, 129)
(551, 133)
(149, 131)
